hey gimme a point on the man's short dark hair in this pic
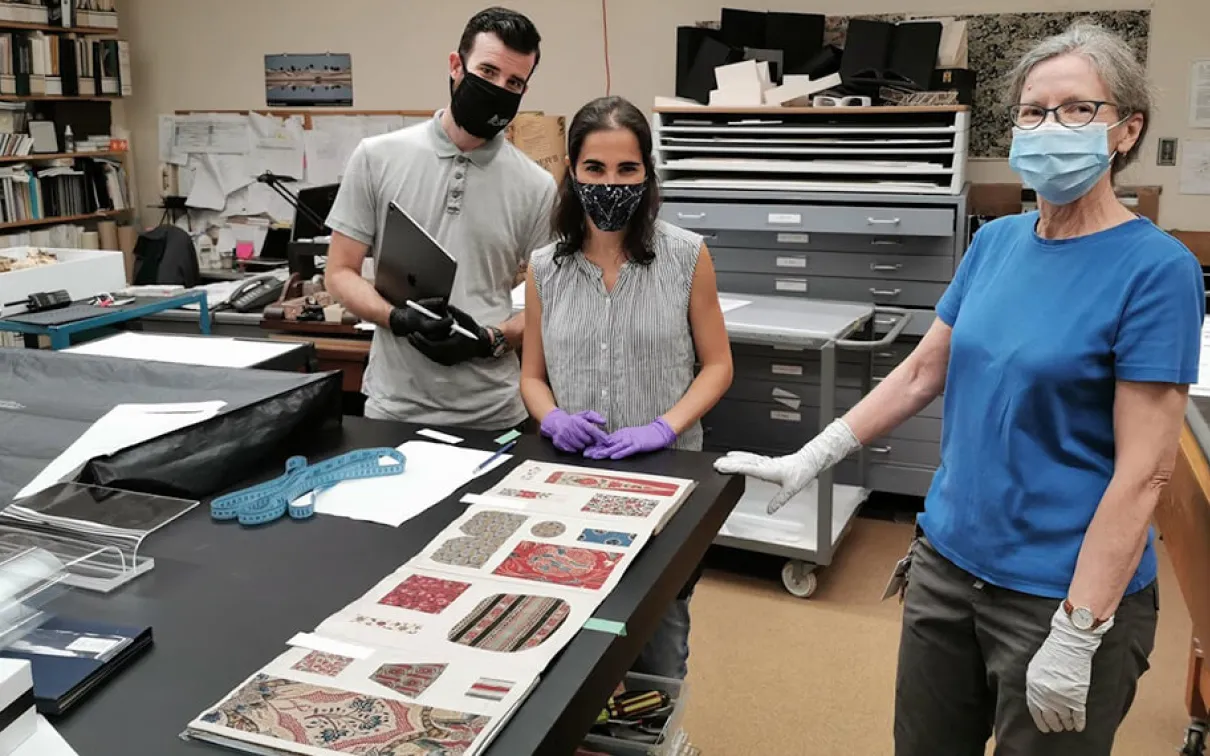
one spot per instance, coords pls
(515, 30)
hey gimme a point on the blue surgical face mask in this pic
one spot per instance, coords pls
(1059, 163)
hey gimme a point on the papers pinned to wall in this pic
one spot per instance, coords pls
(1195, 166)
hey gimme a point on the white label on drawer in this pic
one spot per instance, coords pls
(785, 219)
(791, 403)
(784, 238)
(790, 284)
(787, 370)
(789, 417)
(791, 262)
(780, 348)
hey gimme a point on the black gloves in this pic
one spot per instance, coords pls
(448, 347)
(405, 321)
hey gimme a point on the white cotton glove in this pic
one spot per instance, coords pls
(795, 471)
(1056, 683)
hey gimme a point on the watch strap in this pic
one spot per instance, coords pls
(497, 343)
(1070, 609)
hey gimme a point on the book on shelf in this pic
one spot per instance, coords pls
(24, 12)
(61, 13)
(59, 236)
(66, 188)
(37, 63)
(98, 14)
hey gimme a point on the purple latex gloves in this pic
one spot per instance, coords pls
(636, 440)
(573, 433)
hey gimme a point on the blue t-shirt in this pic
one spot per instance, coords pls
(1042, 329)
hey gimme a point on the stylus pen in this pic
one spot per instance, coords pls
(429, 313)
(499, 453)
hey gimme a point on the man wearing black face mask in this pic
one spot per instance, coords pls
(485, 202)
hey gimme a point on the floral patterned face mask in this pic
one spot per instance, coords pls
(610, 206)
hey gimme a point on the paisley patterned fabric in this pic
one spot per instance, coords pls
(486, 533)
(320, 663)
(344, 722)
(606, 537)
(424, 594)
(613, 483)
(409, 679)
(510, 623)
(563, 565)
(549, 529)
(621, 506)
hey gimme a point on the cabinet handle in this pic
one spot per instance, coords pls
(886, 242)
(885, 355)
(878, 449)
(890, 293)
(882, 221)
(878, 378)
(691, 216)
(886, 267)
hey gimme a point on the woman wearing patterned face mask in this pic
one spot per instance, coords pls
(1064, 345)
(617, 311)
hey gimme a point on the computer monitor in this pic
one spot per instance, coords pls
(319, 199)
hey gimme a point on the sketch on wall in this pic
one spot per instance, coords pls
(295, 80)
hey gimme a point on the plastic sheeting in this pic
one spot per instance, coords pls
(48, 399)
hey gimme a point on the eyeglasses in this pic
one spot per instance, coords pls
(1074, 115)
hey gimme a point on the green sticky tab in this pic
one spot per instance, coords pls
(508, 437)
(606, 626)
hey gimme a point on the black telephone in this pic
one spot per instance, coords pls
(256, 293)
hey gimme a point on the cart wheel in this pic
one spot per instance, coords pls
(1195, 740)
(799, 578)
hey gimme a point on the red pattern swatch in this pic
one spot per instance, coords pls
(613, 483)
(563, 565)
(408, 679)
(424, 594)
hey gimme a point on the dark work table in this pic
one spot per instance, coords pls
(223, 600)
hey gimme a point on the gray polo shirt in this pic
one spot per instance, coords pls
(489, 208)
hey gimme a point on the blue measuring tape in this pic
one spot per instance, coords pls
(269, 501)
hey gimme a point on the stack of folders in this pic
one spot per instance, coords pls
(34, 63)
(65, 188)
(14, 142)
(59, 236)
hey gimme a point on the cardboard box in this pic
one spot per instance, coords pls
(16, 704)
(543, 138)
(83, 273)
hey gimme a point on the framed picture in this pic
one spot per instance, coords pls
(324, 79)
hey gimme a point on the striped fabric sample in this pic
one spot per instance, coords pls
(507, 622)
(490, 689)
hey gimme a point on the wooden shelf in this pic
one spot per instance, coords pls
(39, 156)
(20, 26)
(104, 215)
(58, 98)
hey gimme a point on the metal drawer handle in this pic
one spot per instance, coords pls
(691, 216)
(878, 378)
(878, 449)
(886, 292)
(885, 355)
(886, 242)
(886, 267)
(882, 221)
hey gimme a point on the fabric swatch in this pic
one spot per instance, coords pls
(410, 628)
(321, 663)
(563, 565)
(522, 493)
(529, 473)
(424, 594)
(613, 483)
(509, 623)
(486, 533)
(548, 529)
(621, 506)
(490, 689)
(606, 537)
(343, 721)
(408, 679)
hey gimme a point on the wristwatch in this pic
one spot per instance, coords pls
(1082, 617)
(497, 344)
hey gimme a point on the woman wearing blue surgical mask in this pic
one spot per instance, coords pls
(1064, 345)
(617, 313)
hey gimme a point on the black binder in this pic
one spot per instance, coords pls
(743, 28)
(798, 35)
(878, 53)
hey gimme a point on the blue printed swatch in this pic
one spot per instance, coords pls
(606, 537)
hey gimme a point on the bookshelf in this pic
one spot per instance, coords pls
(102, 215)
(88, 30)
(59, 98)
(39, 156)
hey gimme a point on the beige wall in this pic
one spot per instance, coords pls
(208, 54)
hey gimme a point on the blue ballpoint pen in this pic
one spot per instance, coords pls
(499, 453)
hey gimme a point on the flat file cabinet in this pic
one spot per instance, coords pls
(889, 250)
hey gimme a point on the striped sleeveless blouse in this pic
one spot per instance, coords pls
(627, 354)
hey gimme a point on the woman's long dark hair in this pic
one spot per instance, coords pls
(569, 221)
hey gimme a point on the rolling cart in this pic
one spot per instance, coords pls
(808, 529)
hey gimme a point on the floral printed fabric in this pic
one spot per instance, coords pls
(621, 506)
(613, 483)
(510, 623)
(521, 493)
(606, 537)
(342, 721)
(410, 628)
(424, 594)
(563, 565)
(320, 663)
(409, 679)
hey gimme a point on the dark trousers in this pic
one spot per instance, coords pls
(963, 653)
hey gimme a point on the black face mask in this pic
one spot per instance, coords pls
(610, 206)
(481, 108)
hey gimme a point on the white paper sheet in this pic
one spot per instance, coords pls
(324, 164)
(168, 151)
(233, 171)
(1195, 166)
(1199, 95)
(212, 133)
(212, 351)
(205, 187)
(278, 146)
(123, 426)
(432, 472)
(1202, 387)
(46, 741)
(250, 232)
(519, 297)
(732, 304)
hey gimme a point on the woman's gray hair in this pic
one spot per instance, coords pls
(1113, 60)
